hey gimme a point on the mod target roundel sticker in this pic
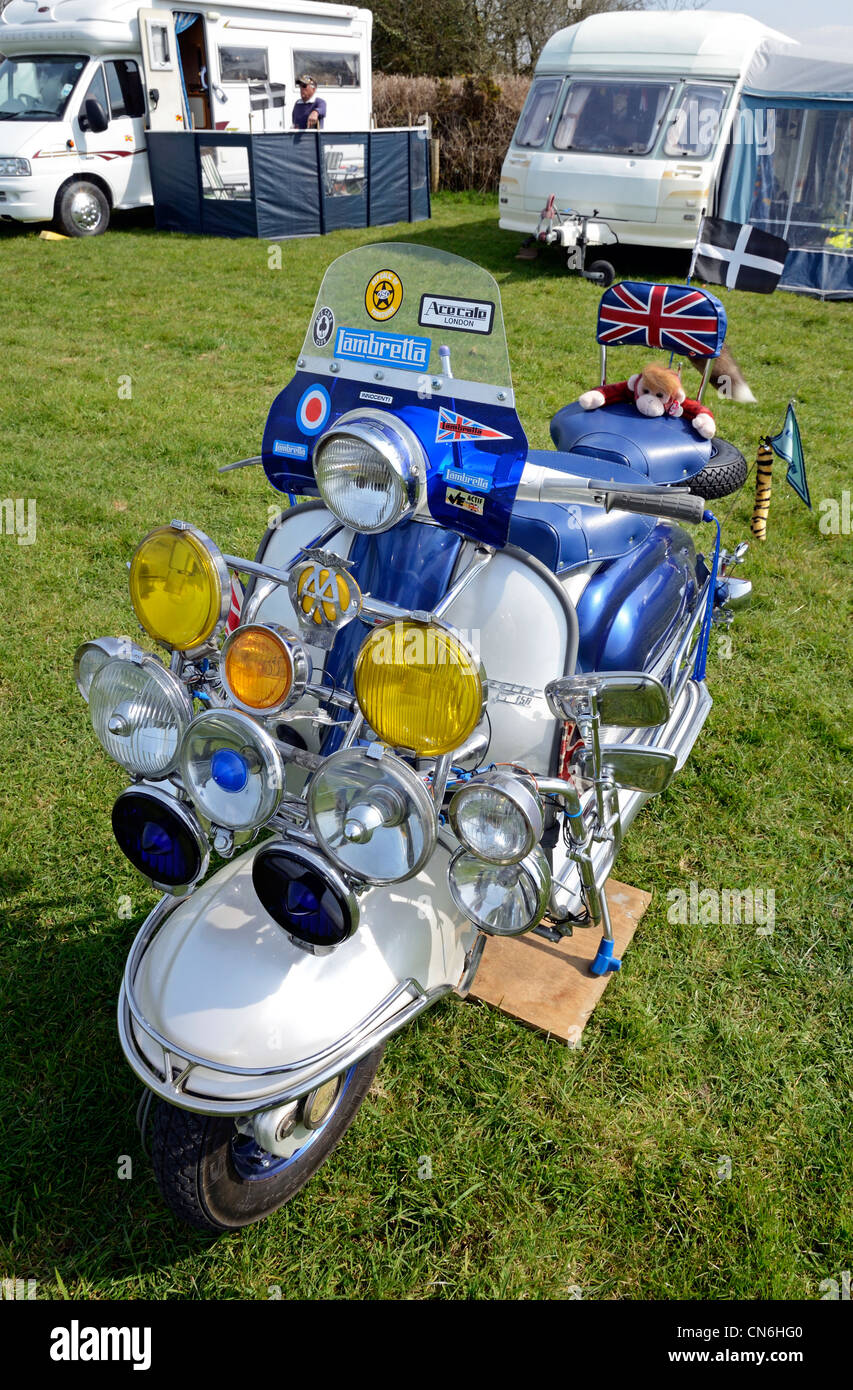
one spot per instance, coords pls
(313, 410)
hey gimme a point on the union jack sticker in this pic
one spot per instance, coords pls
(453, 428)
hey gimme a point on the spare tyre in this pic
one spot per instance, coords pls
(723, 474)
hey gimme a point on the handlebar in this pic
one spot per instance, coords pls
(542, 484)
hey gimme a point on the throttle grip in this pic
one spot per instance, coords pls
(681, 506)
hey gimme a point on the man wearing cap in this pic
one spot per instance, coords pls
(309, 112)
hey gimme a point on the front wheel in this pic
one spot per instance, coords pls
(218, 1179)
(82, 209)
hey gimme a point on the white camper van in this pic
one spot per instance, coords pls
(83, 80)
(627, 120)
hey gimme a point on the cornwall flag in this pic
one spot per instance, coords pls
(789, 446)
(739, 256)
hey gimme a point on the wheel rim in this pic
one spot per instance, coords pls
(255, 1164)
(85, 211)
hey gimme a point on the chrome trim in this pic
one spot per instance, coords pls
(350, 1048)
(481, 557)
(471, 965)
(109, 647)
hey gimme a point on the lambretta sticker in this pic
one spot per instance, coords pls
(459, 315)
(375, 396)
(468, 501)
(454, 475)
(391, 349)
(288, 450)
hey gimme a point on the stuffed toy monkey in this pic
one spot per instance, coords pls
(656, 390)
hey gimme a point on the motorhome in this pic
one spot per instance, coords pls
(627, 120)
(83, 81)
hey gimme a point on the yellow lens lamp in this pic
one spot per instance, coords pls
(179, 586)
(420, 687)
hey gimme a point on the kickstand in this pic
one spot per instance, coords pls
(605, 960)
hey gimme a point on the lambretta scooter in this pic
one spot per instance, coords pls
(454, 678)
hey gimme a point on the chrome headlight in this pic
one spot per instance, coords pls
(232, 769)
(370, 470)
(373, 816)
(498, 817)
(501, 899)
(139, 711)
(91, 656)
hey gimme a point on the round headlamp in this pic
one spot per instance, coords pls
(498, 817)
(91, 656)
(263, 667)
(161, 837)
(232, 769)
(370, 470)
(305, 895)
(501, 899)
(139, 711)
(373, 816)
(179, 586)
(419, 686)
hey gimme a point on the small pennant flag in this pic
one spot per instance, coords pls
(233, 619)
(454, 428)
(739, 256)
(789, 446)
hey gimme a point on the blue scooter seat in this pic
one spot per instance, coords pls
(565, 536)
(663, 450)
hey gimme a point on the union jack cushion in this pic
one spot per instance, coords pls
(676, 318)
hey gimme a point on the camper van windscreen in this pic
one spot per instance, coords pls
(538, 110)
(612, 117)
(38, 88)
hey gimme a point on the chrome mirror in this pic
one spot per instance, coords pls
(626, 699)
(639, 769)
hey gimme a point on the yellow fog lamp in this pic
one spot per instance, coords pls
(179, 586)
(263, 668)
(420, 686)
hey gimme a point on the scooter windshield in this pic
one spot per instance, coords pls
(417, 333)
(393, 307)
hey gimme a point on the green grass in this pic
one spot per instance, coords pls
(552, 1168)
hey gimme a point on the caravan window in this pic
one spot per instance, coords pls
(244, 65)
(328, 69)
(694, 124)
(539, 108)
(612, 117)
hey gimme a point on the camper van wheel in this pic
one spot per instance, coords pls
(601, 273)
(82, 210)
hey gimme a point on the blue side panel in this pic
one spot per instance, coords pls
(476, 450)
(662, 450)
(411, 566)
(630, 607)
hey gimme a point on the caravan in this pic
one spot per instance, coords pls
(83, 81)
(627, 121)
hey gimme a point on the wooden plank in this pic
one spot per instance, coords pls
(549, 985)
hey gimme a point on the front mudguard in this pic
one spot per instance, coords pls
(220, 1013)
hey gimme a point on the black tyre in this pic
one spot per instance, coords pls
(601, 273)
(217, 1179)
(82, 209)
(723, 474)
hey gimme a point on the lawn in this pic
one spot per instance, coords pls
(696, 1145)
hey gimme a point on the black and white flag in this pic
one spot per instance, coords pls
(739, 256)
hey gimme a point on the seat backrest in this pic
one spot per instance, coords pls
(677, 318)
